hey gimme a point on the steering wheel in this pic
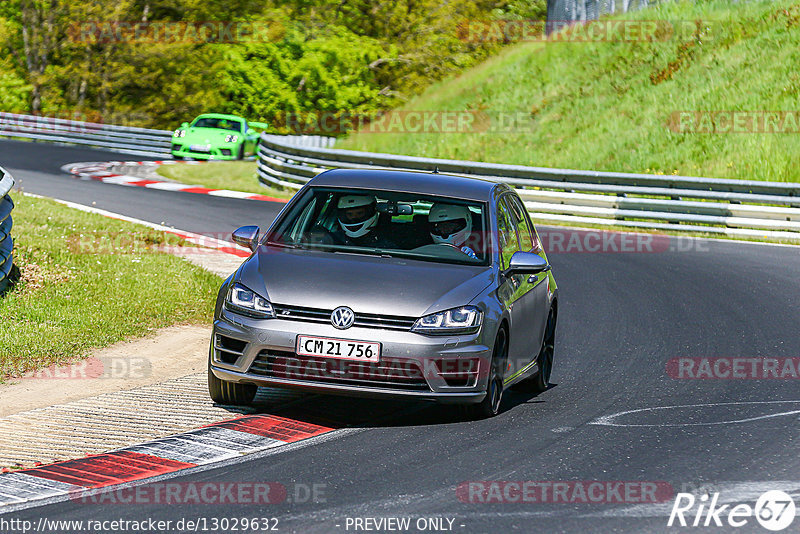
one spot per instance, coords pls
(475, 256)
(317, 235)
(453, 246)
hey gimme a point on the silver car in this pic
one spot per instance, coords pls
(389, 284)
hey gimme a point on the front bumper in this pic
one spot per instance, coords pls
(215, 153)
(446, 369)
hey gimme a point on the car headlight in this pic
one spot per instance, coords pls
(464, 320)
(179, 133)
(247, 302)
(231, 138)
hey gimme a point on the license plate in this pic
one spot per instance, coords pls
(200, 148)
(342, 349)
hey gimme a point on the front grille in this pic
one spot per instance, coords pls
(176, 147)
(364, 320)
(391, 374)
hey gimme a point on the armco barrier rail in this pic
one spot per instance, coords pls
(123, 139)
(738, 208)
(6, 242)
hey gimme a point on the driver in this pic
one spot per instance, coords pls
(358, 220)
(451, 224)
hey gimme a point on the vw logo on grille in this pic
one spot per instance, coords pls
(342, 317)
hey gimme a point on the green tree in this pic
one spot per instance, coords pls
(358, 56)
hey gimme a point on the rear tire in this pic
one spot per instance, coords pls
(490, 405)
(230, 393)
(541, 381)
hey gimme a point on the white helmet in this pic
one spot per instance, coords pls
(450, 223)
(357, 214)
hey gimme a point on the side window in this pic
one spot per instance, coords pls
(526, 239)
(509, 243)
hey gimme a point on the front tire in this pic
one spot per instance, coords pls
(240, 153)
(490, 405)
(230, 393)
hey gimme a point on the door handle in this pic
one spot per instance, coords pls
(532, 279)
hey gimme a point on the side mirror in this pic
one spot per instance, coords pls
(526, 263)
(247, 236)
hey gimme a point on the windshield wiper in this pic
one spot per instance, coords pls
(353, 250)
(369, 252)
(283, 245)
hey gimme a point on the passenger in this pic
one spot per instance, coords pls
(451, 224)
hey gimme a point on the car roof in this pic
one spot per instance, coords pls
(434, 184)
(219, 116)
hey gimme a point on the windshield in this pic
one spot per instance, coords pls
(384, 223)
(222, 124)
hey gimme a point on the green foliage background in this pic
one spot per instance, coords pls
(322, 56)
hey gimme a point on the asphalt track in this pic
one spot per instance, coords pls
(622, 317)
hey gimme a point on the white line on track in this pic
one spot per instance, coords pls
(610, 420)
(192, 237)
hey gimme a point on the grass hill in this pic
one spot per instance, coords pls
(608, 105)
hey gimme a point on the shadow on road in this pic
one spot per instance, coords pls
(352, 412)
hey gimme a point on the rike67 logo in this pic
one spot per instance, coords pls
(774, 510)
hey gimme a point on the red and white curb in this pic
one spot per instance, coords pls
(212, 444)
(207, 445)
(101, 171)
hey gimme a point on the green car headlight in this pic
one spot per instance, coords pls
(231, 138)
(179, 133)
(464, 320)
(247, 302)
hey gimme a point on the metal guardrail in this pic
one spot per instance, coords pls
(123, 139)
(6, 242)
(739, 208)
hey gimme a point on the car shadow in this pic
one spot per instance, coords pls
(353, 412)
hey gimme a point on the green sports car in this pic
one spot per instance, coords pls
(216, 136)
